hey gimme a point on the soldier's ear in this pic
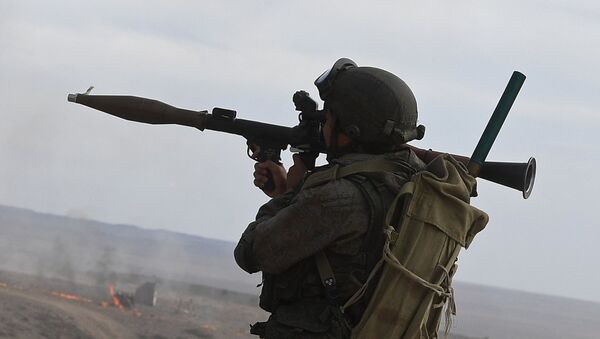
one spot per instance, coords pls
(343, 139)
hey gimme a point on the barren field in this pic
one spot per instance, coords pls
(34, 307)
(66, 264)
(55, 272)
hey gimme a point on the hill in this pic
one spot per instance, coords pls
(75, 249)
(86, 251)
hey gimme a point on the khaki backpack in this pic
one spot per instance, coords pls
(428, 223)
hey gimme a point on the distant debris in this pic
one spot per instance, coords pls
(146, 294)
(125, 299)
(120, 299)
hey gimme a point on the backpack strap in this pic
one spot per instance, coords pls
(370, 191)
(337, 171)
(407, 190)
(374, 193)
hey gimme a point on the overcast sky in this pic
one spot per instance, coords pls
(252, 56)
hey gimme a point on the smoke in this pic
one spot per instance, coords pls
(103, 269)
(60, 261)
(90, 252)
(53, 259)
(77, 213)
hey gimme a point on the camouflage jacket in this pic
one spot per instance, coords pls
(289, 230)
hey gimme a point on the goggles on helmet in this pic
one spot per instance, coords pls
(325, 81)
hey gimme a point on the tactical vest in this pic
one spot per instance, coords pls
(299, 297)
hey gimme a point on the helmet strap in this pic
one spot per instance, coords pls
(333, 140)
(335, 150)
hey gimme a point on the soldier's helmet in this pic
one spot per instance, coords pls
(372, 106)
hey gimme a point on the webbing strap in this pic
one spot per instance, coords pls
(446, 292)
(391, 234)
(361, 291)
(327, 277)
(407, 189)
(336, 171)
(391, 259)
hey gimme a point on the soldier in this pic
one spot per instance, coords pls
(304, 230)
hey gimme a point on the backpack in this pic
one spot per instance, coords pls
(428, 223)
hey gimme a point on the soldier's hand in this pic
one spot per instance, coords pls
(261, 176)
(296, 172)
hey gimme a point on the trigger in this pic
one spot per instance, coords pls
(253, 151)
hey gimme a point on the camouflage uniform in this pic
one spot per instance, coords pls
(339, 217)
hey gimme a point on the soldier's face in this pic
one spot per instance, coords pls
(342, 139)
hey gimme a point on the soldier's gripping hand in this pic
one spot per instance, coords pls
(296, 173)
(282, 181)
(278, 173)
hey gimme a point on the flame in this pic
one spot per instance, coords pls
(115, 300)
(70, 297)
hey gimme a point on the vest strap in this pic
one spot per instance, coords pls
(336, 171)
(327, 277)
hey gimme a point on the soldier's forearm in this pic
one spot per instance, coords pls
(243, 253)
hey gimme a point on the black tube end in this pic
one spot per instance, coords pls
(529, 178)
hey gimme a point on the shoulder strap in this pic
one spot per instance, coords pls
(336, 171)
(373, 194)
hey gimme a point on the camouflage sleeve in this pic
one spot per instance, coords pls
(289, 229)
(243, 251)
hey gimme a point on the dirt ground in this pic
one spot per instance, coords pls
(34, 307)
(40, 307)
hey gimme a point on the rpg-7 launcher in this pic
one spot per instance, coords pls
(266, 141)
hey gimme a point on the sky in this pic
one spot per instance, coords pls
(251, 56)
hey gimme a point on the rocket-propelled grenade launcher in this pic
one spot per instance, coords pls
(519, 176)
(266, 141)
(223, 120)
